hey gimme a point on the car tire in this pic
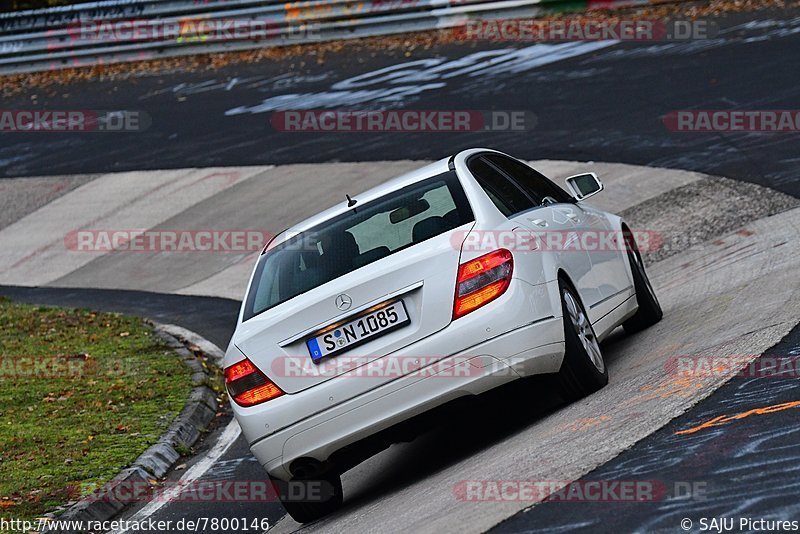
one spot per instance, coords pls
(583, 370)
(327, 487)
(649, 312)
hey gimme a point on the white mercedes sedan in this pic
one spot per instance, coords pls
(439, 284)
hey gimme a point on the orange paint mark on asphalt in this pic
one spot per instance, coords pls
(680, 385)
(717, 421)
(723, 419)
(586, 423)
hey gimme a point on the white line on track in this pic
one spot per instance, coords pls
(225, 440)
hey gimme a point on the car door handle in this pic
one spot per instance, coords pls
(572, 216)
(539, 222)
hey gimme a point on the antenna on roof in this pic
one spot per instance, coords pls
(350, 201)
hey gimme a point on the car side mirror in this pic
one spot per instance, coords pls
(584, 185)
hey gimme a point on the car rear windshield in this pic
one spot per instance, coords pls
(357, 238)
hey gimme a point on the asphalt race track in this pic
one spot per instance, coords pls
(743, 470)
(601, 101)
(723, 445)
(703, 287)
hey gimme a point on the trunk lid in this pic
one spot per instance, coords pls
(422, 276)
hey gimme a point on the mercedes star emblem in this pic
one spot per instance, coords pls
(343, 302)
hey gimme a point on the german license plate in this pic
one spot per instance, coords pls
(357, 331)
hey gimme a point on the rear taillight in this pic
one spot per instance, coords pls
(482, 280)
(248, 386)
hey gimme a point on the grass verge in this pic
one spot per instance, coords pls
(82, 395)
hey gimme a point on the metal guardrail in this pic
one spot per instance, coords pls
(92, 33)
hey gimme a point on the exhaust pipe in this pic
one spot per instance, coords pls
(307, 468)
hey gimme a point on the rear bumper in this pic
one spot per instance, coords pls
(490, 364)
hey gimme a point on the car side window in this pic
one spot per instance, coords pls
(504, 193)
(533, 182)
